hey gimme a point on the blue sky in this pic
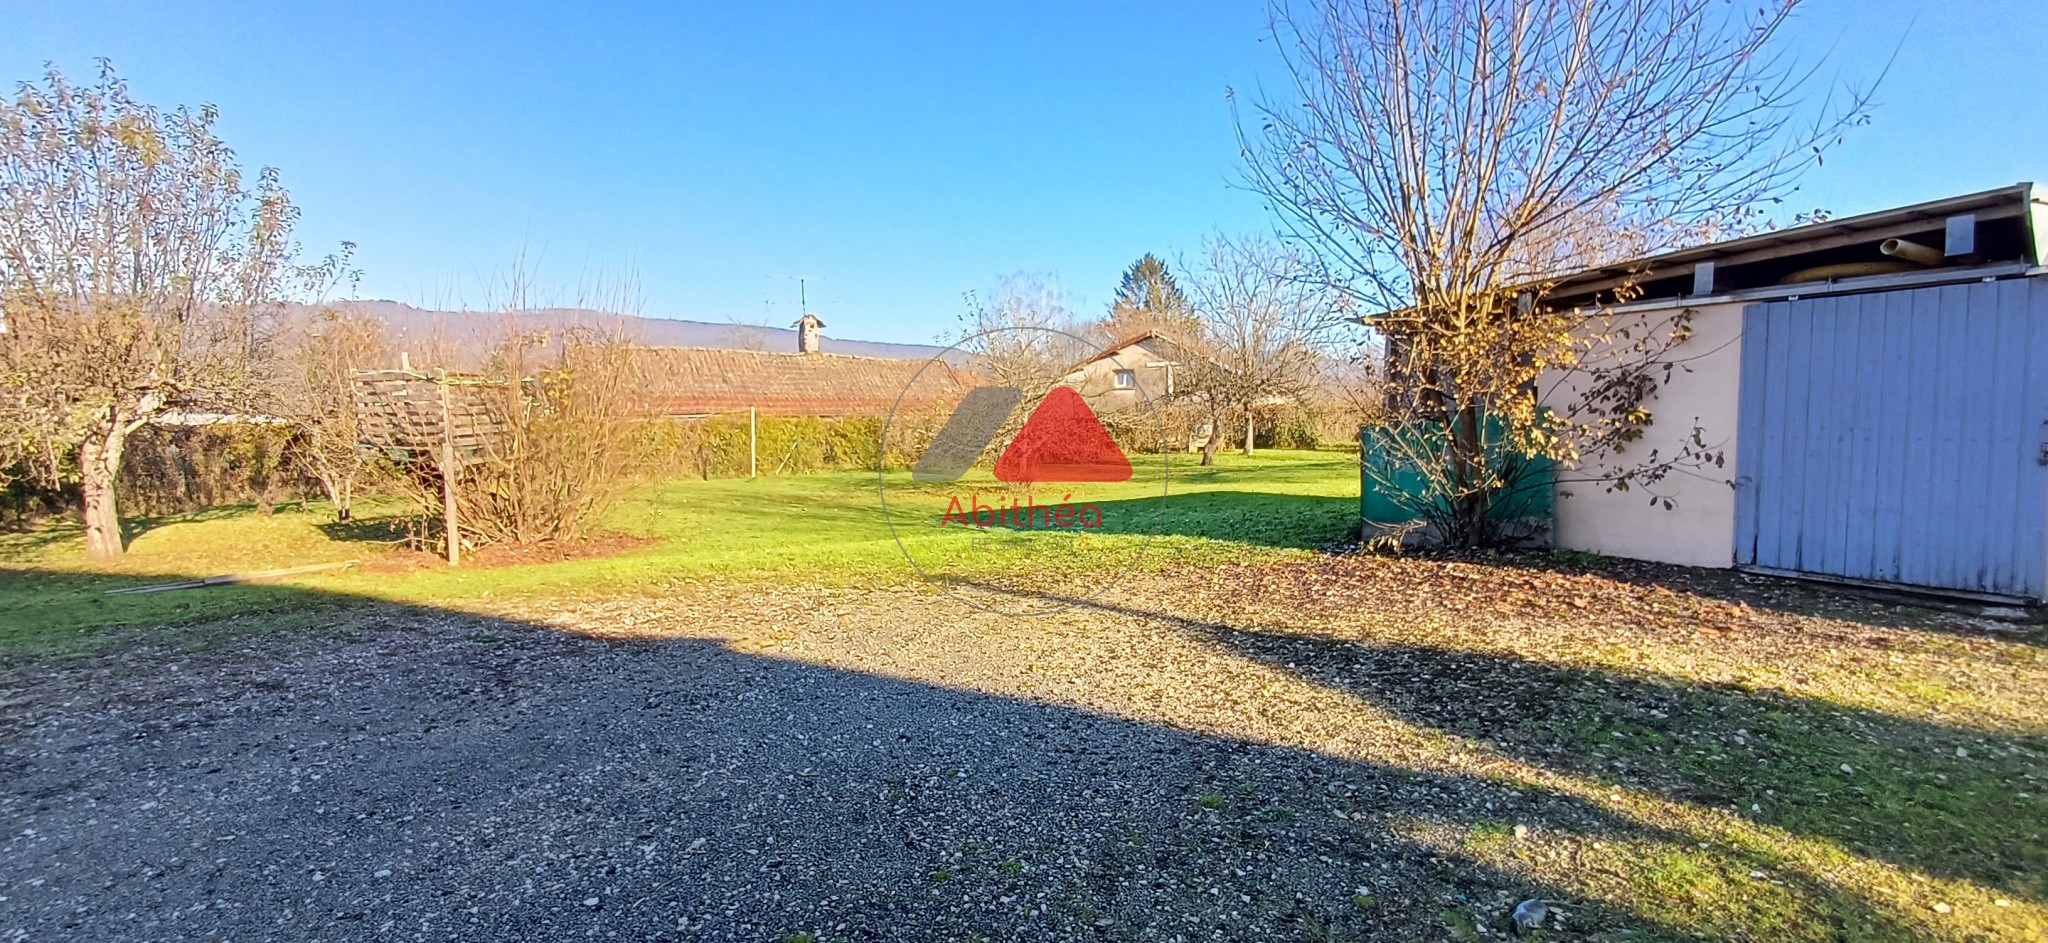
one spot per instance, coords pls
(896, 154)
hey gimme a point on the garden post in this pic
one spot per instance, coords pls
(449, 524)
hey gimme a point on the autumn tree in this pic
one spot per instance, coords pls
(1149, 299)
(138, 274)
(1443, 159)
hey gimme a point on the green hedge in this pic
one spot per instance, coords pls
(172, 470)
(716, 446)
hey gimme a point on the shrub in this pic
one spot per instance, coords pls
(717, 446)
(174, 469)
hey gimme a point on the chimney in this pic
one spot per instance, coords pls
(807, 333)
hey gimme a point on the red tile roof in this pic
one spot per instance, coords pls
(694, 381)
(1171, 346)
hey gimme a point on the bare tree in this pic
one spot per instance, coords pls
(1264, 320)
(1024, 334)
(744, 333)
(314, 389)
(138, 271)
(1443, 158)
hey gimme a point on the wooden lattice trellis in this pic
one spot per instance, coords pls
(440, 418)
(406, 414)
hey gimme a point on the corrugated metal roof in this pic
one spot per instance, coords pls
(2003, 202)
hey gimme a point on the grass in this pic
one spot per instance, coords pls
(819, 529)
(1750, 759)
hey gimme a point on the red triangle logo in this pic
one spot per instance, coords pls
(1063, 441)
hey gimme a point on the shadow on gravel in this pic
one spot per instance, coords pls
(1951, 802)
(407, 771)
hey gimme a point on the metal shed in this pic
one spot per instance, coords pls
(1881, 382)
(1899, 437)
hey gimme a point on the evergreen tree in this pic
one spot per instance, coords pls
(1149, 300)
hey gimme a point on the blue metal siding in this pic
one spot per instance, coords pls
(1895, 437)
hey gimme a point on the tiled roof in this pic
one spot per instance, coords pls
(1162, 343)
(1118, 347)
(693, 381)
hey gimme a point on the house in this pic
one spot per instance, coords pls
(1132, 372)
(1147, 372)
(1877, 387)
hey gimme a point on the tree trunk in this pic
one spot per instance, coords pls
(1215, 435)
(338, 492)
(99, 466)
(1249, 418)
(1469, 472)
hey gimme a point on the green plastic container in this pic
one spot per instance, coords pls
(1529, 502)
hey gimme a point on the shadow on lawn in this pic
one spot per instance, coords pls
(1911, 799)
(382, 529)
(671, 777)
(68, 529)
(1290, 521)
(1295, 521)
(42, 535)
(133, 527)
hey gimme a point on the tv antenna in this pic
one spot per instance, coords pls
(803, 293)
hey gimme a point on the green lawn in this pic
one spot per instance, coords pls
(826, 528)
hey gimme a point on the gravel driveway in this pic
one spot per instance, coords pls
(828, 765)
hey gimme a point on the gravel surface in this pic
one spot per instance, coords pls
(803, 765)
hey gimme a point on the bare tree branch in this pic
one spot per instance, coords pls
(1444, 159)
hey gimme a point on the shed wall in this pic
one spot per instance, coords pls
(1699, 528)
(1898, 437)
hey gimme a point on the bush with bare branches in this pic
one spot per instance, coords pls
(560, 447)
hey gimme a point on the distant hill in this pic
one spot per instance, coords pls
(471, 333)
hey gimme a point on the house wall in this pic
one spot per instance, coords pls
(1699, 529)
(1096, 382)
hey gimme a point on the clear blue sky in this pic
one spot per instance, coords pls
(898, 154)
